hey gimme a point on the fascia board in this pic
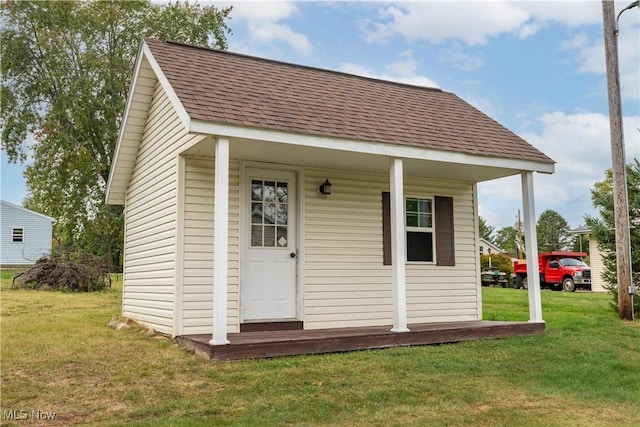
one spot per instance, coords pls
(116, 156)
(144, 54)
(164, 82)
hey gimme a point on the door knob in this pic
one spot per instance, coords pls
(292, 255)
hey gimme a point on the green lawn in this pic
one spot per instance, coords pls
(58, 355)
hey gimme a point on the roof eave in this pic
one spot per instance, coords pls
(370, 147)
(112, 196)
(129, 135)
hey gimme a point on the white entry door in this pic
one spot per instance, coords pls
(268, 288)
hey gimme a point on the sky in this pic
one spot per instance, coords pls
(536, 67)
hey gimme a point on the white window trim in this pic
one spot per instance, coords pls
(291, 245)
(13, 230)
(431, 229)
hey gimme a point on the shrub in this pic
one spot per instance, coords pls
(500, 261)
(85, 273)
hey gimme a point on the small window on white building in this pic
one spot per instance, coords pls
(17, 234)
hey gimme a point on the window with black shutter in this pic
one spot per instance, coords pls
(428, 227)
(386, 228)
(445, 238)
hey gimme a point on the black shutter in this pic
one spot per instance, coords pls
(386, 228)
(445, 239)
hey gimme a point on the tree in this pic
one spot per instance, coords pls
(552, 231)
(66, 71)
(486, 231)
(507, 239)
(500, 261)
(603, 228)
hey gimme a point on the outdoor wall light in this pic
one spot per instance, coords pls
(325, 187)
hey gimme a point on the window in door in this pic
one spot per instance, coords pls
(269, 214)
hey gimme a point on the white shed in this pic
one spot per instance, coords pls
(26, 235)
(259, 193)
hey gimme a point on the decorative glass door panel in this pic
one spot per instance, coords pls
(269, 214)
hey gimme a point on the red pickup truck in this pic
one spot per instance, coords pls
(558, 270)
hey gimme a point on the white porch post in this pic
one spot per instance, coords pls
(533, 275)
(220, 242)
(398, 247)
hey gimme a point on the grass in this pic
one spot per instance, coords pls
(59, 355)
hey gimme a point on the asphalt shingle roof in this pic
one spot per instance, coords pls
(224, 87)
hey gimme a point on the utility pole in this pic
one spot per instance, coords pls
(620, 196)
(520, 252)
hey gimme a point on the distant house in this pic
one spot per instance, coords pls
(485, 247)
(595, 259)
(26, 235)
(259, 194)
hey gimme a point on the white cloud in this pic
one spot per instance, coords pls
(266, 32)
(629, 54)
(580, 144)
(357, 69)
(569, 13)
(529, 29)
(483, 104)
(474, 22)
(367, 72)
(471, 22)
(406, 65)
(457, 58)
(265, 11)
(402, 70)
(579, 41)
(591, 59)
(264, 27)
(375, 32)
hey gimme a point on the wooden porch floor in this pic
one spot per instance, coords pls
(249, 345)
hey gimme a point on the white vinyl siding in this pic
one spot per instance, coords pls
(150, 219)
(441, 293)
(197, 288)
(346, 283)
(25, 235)
(135, 119)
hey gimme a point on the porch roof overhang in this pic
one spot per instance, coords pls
(346, 154)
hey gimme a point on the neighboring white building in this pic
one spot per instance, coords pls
(485, 247)
(595, 259)
(26, 235)
(257, 191)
